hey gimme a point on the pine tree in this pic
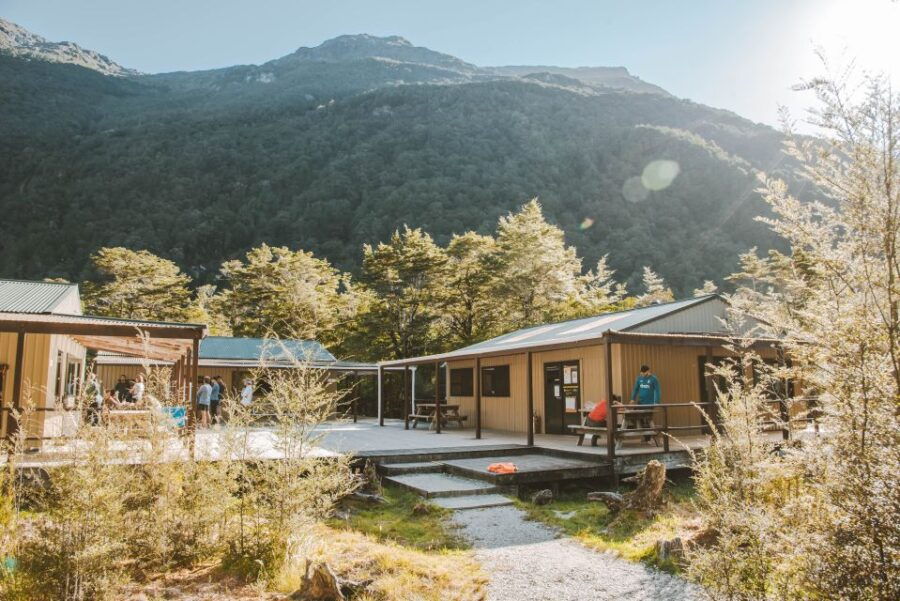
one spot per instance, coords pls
(597, 292)
(137, 285)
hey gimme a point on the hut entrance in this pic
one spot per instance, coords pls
(562, 396)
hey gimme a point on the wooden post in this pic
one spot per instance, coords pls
(437, 396)
(380, 396)
(665, 413)
(477, 380)
(11, 424)
(354, 390)
(611, 413)
(530, 426)
(406, 395)
(712, 410)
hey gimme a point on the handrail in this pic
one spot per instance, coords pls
(709, 419)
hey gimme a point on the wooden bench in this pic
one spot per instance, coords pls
(621, 433)
(427, 412)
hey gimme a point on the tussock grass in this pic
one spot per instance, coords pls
(629, 534)
(399, 521)
(395, 572)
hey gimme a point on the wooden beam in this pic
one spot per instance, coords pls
(530, 426)
(477, 380)
(712, 409)
(611, 410)
(98, 329)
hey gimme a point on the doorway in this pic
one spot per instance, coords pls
(562, 396)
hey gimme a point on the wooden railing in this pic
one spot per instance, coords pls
(779, 418)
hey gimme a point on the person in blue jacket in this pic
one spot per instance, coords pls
(646, 392)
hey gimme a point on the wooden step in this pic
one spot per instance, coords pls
(441, 485)
(472, 502)
(412, 467)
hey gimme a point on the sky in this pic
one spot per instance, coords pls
(744, 55)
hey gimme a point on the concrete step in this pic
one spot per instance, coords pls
(472, 501)
(441, 485)
(413, 467)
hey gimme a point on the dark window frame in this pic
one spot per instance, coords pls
(462, 381)
(492, 388)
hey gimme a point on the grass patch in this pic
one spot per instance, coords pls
(406, 519)
(629, 534)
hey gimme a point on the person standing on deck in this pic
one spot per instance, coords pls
(137, 389)
(247, 393)
(203, 397)
(646, 392)
(214, 397)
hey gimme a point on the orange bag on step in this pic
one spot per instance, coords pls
(503, 468)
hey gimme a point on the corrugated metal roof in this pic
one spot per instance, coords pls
(94, 320)
(584, 328)
(22, 296)
(106, 358)
(575, 330)
(256, 349)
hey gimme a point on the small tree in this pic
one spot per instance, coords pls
(137, 285)
(597, 292)
(655, 289)
(708, 287)
(817, 518)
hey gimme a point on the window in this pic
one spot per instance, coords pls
(461, 381)
(495, 380)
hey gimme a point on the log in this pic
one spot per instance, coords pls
(613, 500)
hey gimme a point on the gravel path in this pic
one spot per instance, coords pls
(527, 560)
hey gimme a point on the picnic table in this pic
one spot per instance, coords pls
(136, 421)
(428, 412)
(628, 424)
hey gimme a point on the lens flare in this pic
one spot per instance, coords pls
(658, 175)
(586, 223)
(634, 191)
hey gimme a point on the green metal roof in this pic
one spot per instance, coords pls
(255, 349)
(20, 296)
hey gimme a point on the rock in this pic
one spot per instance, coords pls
(319, 584)
(670, 550)
(613, 500)
(542, 497)
(421, 509)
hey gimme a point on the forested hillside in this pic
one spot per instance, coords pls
(336, 146)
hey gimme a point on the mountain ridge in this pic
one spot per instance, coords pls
(327, 149)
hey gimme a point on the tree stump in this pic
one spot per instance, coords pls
(319, 584)
(647, 495)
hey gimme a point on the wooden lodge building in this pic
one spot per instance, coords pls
(44, 343)
(544, 378)
(236, 358)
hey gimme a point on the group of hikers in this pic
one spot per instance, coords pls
(131, 394)
(209, 397)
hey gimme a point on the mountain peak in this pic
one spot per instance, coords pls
(393, 47)
(17, 41)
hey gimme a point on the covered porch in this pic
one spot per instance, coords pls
(154, 341)
(602, 368)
